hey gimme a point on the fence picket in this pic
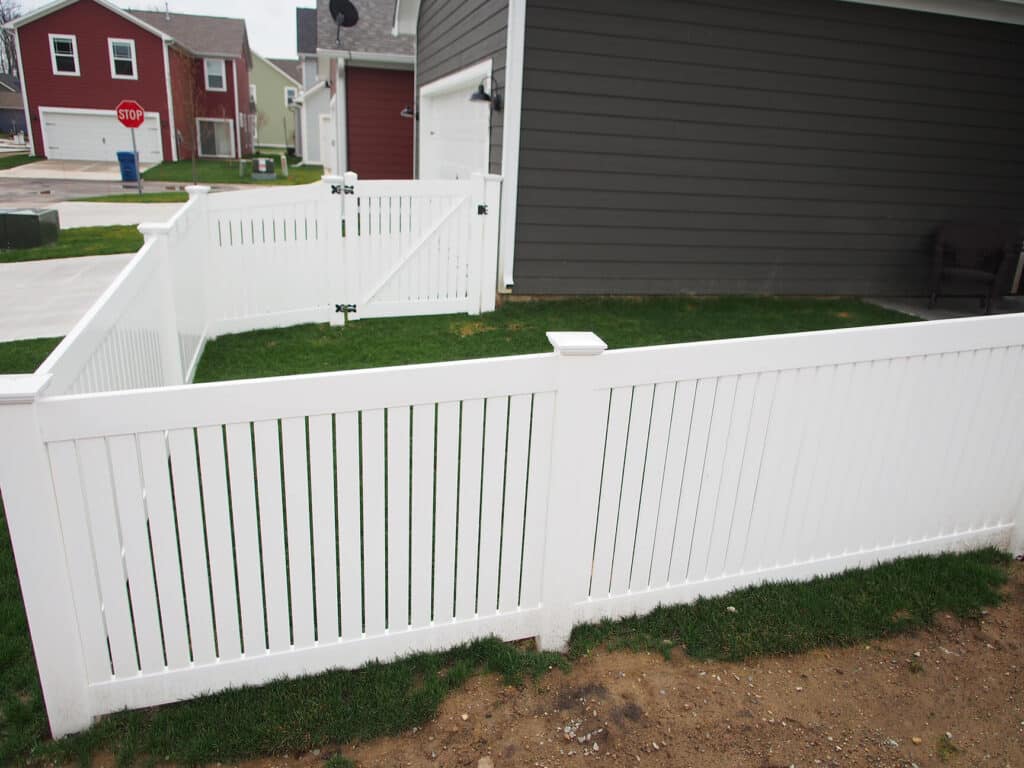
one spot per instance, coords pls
(399, 520)
(470, 468)
(325, 534)
(446, 511)
(219, 541)
(349, 524)
(246, 527)
(271, 510)
(129, 498)
(420, 572)
(374, 564)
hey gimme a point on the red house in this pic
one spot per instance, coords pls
(79, 58)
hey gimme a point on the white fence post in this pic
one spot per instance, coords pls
(334, 244)
(200, 281)
(491, 198)
(574, 487)
(167, 314)
(34, 523)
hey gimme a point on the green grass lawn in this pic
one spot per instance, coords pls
(226, 172)
(145, 197)
(81, 241)
(13, 161)
(519, 328)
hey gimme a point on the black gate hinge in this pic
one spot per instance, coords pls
(344, 308)
(481, 210)
(337, 189)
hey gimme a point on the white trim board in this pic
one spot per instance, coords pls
(53, 37)
(24, 96)
(515, 49)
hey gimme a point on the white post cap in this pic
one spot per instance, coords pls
(576, 343)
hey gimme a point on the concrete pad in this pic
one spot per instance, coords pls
(108, 214)
(73, 170)
(40, 299)
(950, 307)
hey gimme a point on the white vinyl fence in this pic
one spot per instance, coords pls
(179, 540)
(264, 258)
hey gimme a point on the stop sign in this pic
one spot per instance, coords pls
(130, 113)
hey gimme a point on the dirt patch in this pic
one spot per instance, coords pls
(466, 328)
(953, 695)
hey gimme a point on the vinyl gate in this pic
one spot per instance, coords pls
(414, 249)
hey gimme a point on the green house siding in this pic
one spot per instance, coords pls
(276, 123)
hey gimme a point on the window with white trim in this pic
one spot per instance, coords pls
(289, 96)
(123, 65)
(216, 137)
(216, 77)
(64, 55)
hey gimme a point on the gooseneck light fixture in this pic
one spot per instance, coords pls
(494, 97)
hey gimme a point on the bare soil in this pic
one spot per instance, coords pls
(952, 695)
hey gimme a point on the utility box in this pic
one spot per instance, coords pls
(263, 169)
(28, 228)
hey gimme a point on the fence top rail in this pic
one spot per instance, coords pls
(249, 199)
(141, 410)
(809, 349)
(232, 402)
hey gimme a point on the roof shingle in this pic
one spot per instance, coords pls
(290, 67)
(372, 34)
(202, 35)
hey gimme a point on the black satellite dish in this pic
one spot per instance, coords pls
(344, 13)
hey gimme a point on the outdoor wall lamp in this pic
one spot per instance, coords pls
(481, 94)
(408, 111)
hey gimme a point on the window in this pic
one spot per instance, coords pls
(216, 80)
(252, 93)
(216, 138)
(64, 55)
(122, 60)
(289, 96)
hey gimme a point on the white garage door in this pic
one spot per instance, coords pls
(96, 135)
(455, 139)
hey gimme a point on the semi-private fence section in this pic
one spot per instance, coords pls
(339, 250)
(177, 540)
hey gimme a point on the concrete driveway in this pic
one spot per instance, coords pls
(40, 299)
(74, 170)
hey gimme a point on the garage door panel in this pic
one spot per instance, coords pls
(98, 136)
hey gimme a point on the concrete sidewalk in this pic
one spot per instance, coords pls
(72, 170)
(40, 299)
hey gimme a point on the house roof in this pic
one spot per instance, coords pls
(290, 67)
(56, 5)
(305, 30)
(372, 34)
(9, 83)
(201, 35)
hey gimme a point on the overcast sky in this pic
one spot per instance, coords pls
(271, 23)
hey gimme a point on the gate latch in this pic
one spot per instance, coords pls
(481, 210)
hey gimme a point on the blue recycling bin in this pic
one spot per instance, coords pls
(129, 162)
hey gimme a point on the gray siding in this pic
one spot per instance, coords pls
(797, 146)
(455, 34)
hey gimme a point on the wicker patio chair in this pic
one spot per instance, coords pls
(977, 256)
